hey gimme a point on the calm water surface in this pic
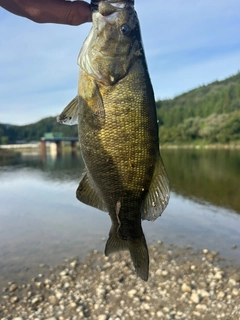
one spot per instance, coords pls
(41, 221)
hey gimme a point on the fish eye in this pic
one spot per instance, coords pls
(125, 29)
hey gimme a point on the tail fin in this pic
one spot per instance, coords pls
(138, 251)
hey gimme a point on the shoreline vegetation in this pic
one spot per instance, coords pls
(10, 149)
(208, 115)
(183, 284)
(200, 146)
(8, 156)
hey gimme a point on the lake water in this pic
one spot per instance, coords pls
(41, 221)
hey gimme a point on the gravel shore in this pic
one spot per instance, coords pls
(183, 284)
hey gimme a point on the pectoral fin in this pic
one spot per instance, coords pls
(91, 105)
(69, 115)
(87, 194)
(95, 102)
(158, 194)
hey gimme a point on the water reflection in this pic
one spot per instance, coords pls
(42, 222)
(204, 175)
(209, 175)
(66, 167)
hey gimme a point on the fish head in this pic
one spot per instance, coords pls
(113, 44)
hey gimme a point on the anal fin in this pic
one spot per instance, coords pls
(158, 194)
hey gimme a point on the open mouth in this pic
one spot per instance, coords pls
(120, 4)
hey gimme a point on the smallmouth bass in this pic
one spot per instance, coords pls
(118, 132)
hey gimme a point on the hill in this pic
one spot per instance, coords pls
(34, 131)
(208, 114)
(205, 115)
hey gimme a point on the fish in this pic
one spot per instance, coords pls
(118, 131)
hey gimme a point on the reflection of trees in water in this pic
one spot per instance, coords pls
(67, 167)
(211, 175)
(9, 157)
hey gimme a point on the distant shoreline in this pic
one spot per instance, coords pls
(162, 146)
(192, 146)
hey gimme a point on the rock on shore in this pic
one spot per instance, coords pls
(183, 284)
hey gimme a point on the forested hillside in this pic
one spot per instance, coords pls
(208, 114)
(33, 132)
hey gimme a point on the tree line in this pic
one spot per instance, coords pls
(33, 132)
(208, 114)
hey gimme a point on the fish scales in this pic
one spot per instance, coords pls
(120, 154)
(118, 131)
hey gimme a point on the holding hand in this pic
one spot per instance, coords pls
(53, 11)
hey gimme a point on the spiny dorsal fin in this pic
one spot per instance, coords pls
(158, 194)
(69, 115)
(87, 194)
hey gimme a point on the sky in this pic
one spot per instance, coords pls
(187, 43)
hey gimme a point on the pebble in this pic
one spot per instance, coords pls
(196, 313)
(195, 297)
(232, 282)
(145, 306)
(164, 273)
(53, 300)
(106, 288)
(166, 310)
(160, 314)
(201, 307)
(58, 295)
(42, 265)
(102, 317)
(235, 292)
(73, 305)
(35, 300)
(186, 288)
(14, 299)
(131, 293)
(64, 273)
(218, 275)
(13, 287)
(220, 295)
(203, 293)
(73, 264)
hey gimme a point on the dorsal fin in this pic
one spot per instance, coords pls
(158, 194)
(87, 194)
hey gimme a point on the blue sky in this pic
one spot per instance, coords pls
(187, 43)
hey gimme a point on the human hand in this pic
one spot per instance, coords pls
(50, 11)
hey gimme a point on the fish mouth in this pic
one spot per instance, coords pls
(120, 4)
(108, 7)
